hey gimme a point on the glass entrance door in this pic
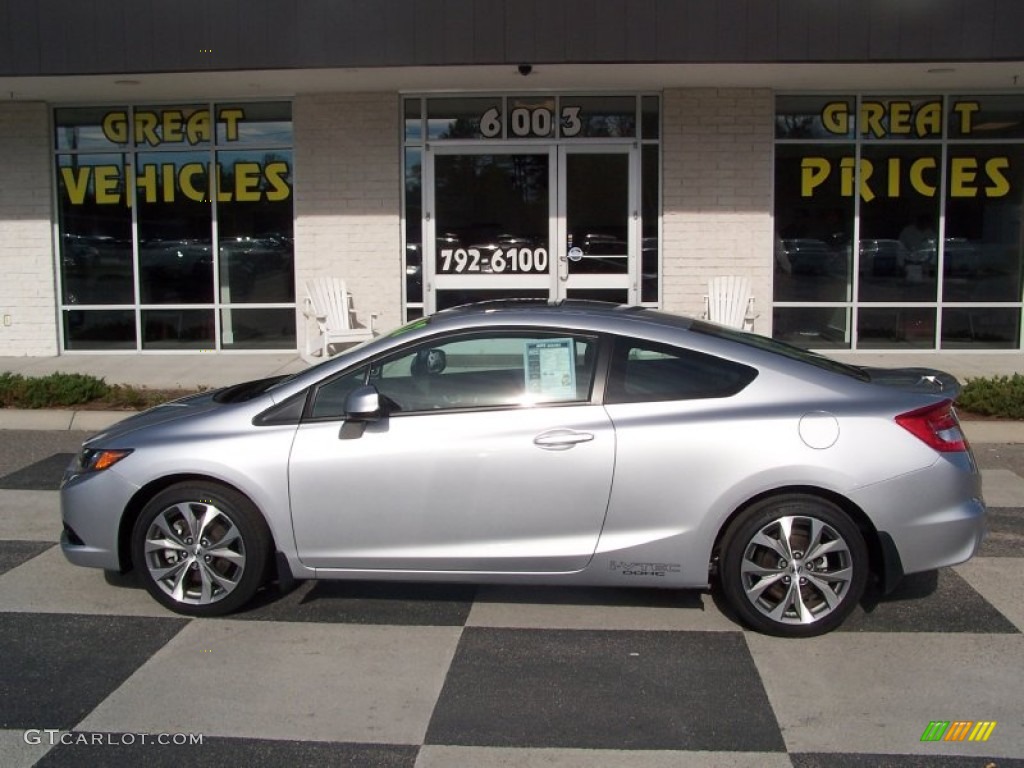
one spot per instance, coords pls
(489, 225)
(597, 224)
(525, 222)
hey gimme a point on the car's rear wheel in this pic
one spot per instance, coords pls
(202, 548)
(793, 566)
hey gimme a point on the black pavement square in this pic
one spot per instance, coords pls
(43, 475)
(866, 760)
(1005, 533)
(14, 553)
(361, 602)
(58, 667)
(604, 690)
(633, 597)
(114, 750)
(933, 601)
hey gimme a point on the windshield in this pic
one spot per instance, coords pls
(247, 390)
(411, 326)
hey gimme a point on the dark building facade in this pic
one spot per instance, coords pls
(174, 173)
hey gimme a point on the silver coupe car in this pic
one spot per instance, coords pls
(571, 443)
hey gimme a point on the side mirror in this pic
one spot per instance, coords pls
(364, 404)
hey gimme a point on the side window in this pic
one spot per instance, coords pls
(329, 401)
(488, 371)
(644, 371)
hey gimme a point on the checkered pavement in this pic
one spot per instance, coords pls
(94, 672)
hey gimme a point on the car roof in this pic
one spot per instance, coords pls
(562, 307)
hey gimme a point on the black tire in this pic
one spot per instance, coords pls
(801, 595)
(217, 548)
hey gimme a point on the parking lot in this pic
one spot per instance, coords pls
(95, 673)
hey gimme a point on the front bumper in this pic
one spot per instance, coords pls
(92, 506)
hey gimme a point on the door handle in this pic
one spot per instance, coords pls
(561, 439)
(563, 268)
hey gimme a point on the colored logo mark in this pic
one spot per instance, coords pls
(958, 730)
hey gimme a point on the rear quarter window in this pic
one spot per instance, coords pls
(649, 372)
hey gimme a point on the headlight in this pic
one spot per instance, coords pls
(96, 459)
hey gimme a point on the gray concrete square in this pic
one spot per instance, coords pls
(48, 583)
(1005, 533)
(1001, 581)
(18, 752)
(295, 681)
(876, 693)
(14, 553)
(1002, 488)
(30, 515)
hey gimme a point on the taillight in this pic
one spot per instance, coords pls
(937, 425)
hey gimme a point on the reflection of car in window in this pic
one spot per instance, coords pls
(809, 256)
(961, 257)
(595, 244)
(882, 258)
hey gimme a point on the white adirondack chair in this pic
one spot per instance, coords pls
(329, 304)
(729, 302)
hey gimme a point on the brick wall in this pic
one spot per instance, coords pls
(717, 194)
(27, 286)
(348, 198)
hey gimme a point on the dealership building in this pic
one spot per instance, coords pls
(174, 173)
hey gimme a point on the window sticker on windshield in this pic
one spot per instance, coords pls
(550, 369)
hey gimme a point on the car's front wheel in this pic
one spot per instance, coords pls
(793, 566)
(202, 549)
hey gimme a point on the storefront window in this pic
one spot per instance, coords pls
(650, 268)
(899, 222)
(813, 117)
(95, 231)
(463, 118)
(254, 230)
(414, 226)
(814, 221)
(993, 328)
(99, 329)
(93, 129)
(604, 116)
(918, 216)
(186, 173)
(174, 224)
(986, 117)
(982, 243)
(651, 117)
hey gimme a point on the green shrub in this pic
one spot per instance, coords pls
(63, 390)
(56, 390)
(133, 398)
(1000, 396)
